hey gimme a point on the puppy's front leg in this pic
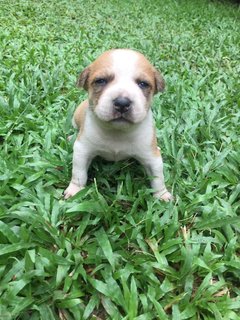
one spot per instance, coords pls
(154, 167)
(81, 161)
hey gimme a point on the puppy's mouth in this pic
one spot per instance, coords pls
(122, 118)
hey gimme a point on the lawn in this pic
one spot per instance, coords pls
(113, 251)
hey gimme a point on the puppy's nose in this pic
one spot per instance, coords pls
(122, 104)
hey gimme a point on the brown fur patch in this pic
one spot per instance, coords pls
(159, 82)
(79, 116)
(155, 148)
(153, 76)
(82, 81)
(101, 68)
(98, 67)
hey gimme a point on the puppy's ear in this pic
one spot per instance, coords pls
(82, 81)
(159, 82)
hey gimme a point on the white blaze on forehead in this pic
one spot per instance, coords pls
(124, 62)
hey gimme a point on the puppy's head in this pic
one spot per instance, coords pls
(120, 84)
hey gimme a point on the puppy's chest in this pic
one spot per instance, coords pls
(113, 149)
(114, 145)
(114, 154)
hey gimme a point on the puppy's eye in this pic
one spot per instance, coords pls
(101, 82)
(143, 84)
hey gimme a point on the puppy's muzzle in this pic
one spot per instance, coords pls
(122, 104)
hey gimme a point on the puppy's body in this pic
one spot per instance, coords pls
(116, 121)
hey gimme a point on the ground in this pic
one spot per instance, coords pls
(112, 251)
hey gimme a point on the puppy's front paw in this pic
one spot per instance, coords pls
(166, 196)
(71, 190)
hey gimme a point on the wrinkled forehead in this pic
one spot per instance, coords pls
(122, 63)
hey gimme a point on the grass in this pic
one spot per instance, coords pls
(112, 251)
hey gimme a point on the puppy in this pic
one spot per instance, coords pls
(116, 121)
